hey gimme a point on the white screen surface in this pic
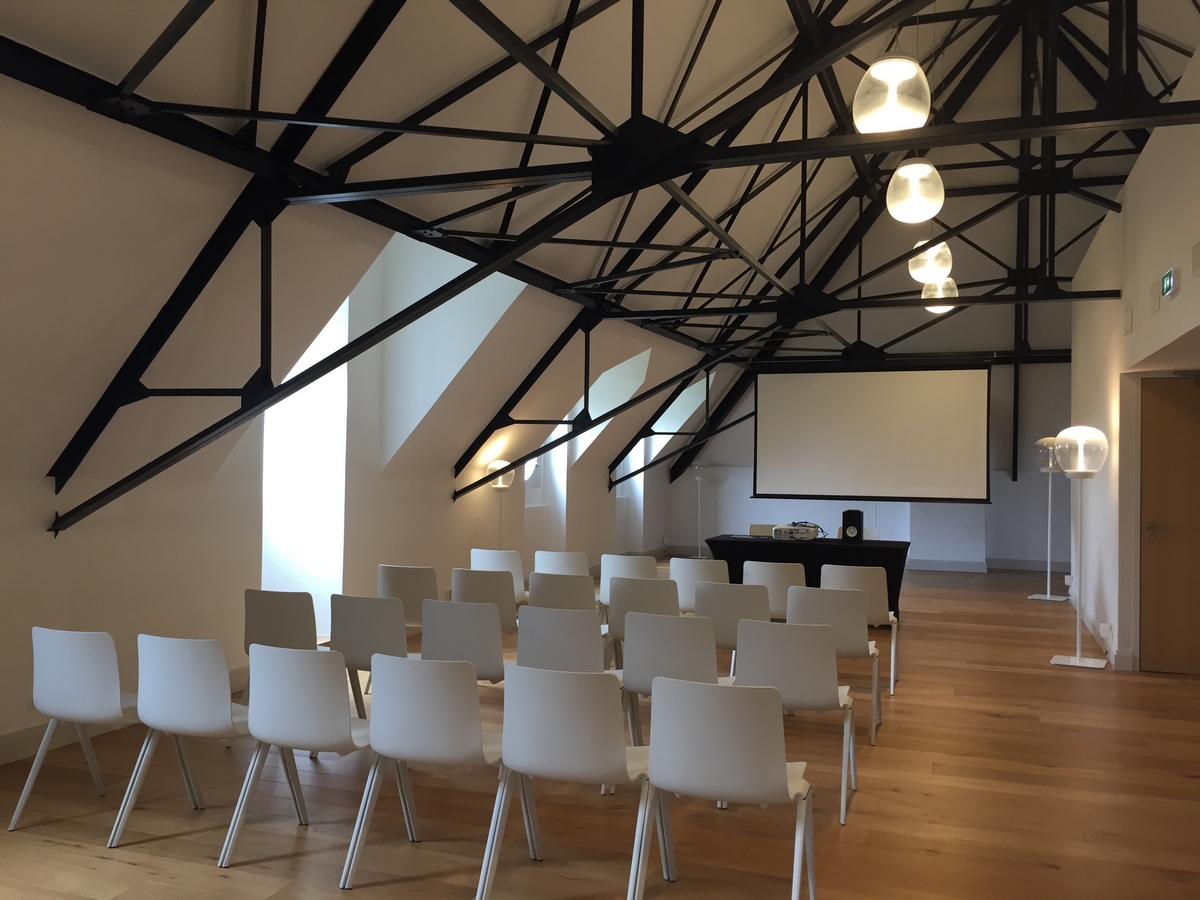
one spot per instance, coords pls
(919, 435)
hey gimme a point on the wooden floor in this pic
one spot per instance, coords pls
(995, 776)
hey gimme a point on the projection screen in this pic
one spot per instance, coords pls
(920, 435)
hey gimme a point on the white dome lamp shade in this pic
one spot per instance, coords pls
(932, 265)
(1043, 455)
(892, 96)
(1080, 451)
(915, 192)
(940, 290)
(500, 482)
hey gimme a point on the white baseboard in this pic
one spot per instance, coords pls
(948, 565)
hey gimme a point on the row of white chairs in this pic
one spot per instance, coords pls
(564, 725)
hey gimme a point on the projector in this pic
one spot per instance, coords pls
(796, 531)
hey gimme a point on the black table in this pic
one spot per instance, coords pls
(736, 549)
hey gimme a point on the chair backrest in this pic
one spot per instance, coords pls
(299, 698)
(280, 619)
(797, 660)
(568, 726)
(362, 626)
(728, 604)
(567, 640)
(672, 646)
(426, 711)
(659, 596)
(75, 675)
(718, 742)
(183, 686)
(412, 584)
(560, 562)
(778, 577)
(562, 591)
(503, 561)
(844, 611)
(687, 572)
(616, 565)
(492, 586)
(871, 580)
(761, 530)
(464, 631)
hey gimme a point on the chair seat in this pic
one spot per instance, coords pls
(492, 741)
(360, 736)
(797, 786)
(410, 629)
(872, 649)
(726, 679)
(129, 707)
(844, 697)
(620, 674)
(637, 762)
(241, 718)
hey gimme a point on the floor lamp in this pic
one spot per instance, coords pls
(1043, 453)
(1080, 452)
(699, 513)
(501, 484)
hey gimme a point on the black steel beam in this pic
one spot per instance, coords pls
(910, 361)
(171, 35)
(648, 429)
(716, 419)
(693, 445)
(585, 320)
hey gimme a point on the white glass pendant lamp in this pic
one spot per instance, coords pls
(892, 96)
(942, 290)
(1080, 452)
(933, 264)
(915, 192)
(1043, 457)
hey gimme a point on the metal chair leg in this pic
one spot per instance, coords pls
(40, 758)
(293, 778)
(666, 843)
(407, 804)
(641, 843)
(365, 810)
(356, 689)
(239, 812)
(89, 754)
(893, 654)
(533, 833)
(188, 781)
(135, 786)
(491, 850)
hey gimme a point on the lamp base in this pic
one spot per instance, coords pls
(1081, 662)
(1047, 597)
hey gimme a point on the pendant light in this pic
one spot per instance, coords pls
(915, 192)
(892, 96)
(939, 290)
(932, 265)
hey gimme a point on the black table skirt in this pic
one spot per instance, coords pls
(736, 549)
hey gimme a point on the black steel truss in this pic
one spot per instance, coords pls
(768, 298)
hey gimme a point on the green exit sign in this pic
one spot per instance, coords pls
(1168, 283)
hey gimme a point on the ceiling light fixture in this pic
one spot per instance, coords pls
(892, 96)
(932, 265)
(939, 290)
(915, 192)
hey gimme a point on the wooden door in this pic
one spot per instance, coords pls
(1170, 538)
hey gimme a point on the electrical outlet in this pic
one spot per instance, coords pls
(1068, 580)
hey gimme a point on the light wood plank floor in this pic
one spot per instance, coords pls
(995, 776)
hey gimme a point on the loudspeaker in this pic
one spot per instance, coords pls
(852, 525)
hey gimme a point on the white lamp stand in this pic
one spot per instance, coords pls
(501, 484)
(1080, 452)
(699, 513)
(1044, 454)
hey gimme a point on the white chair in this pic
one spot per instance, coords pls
(649, 595)
(725, 742)
(778, 577)
(425, 714)
(761, 531)
(505, 561)
(410, 584)
(562, 591)
(687, 572)
(486, 586)
(565, 726)
(465, 631)
(183, 691)
(299, 700)
(360, 627)
(662, 645)
(280, 619)
(560, 562)
(800, 662)
(566, 640)
(846, 613)
(872, 581)
(76, 680)
(616, 565)
(728, 604)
